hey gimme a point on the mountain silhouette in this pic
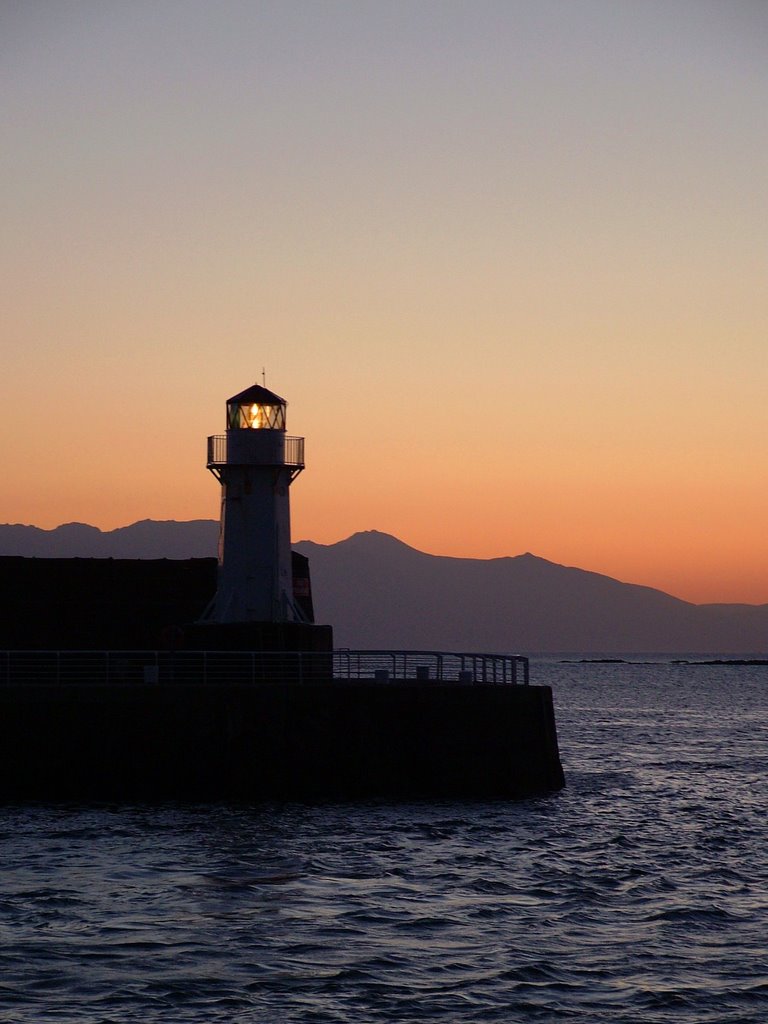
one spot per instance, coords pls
(378, 592)
(381, 593)
(148, 538)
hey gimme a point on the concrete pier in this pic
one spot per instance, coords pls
(327, 741)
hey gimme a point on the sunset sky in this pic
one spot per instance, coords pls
(507, 261)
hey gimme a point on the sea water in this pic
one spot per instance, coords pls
(637, 894)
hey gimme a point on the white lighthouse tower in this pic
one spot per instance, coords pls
(255, 463)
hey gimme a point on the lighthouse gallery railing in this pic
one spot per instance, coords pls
(217, 451)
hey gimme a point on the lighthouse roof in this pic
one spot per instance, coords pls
(256, 395)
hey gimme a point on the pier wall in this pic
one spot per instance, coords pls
(324, 741)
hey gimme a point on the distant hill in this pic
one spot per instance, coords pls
(379, 593)
(146, 539)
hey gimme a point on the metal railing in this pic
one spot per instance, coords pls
(294, 451)
(248, 667)
(217, 451)
(438, 666)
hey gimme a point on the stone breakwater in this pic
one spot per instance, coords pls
(329, 740)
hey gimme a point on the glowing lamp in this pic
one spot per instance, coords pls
(256, 409)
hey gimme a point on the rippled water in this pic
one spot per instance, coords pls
(638, 894)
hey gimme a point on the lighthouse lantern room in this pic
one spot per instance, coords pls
(255, 462)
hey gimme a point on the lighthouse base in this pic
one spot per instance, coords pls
(313, 645)
(258, 636)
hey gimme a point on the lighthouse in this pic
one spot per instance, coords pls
(255, 462)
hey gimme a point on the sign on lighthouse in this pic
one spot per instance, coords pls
(255, 462)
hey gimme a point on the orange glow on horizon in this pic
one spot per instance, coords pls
(502, 321)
